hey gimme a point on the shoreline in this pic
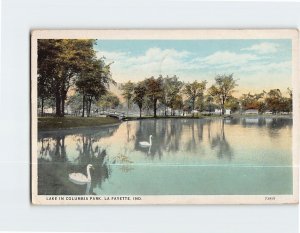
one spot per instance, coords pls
(48, 124)
(233, 116)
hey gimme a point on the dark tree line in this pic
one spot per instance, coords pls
(70, 64)
(170, 92)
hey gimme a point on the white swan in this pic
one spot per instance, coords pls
(146, 144)
(79, 178)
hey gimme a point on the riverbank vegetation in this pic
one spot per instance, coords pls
(54, 123)
(73, 80)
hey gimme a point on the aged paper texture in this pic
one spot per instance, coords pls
(164, 116)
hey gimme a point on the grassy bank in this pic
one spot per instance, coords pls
(52, 123)
(198, 116)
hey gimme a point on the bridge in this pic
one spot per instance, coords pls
(117, 115)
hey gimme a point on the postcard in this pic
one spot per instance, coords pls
(164, 116)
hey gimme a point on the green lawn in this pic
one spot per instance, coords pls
(67, 122)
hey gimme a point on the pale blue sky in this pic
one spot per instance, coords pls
(257, 64)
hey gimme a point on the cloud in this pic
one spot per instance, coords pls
(268, 68)
(153, 62)
(263, 48)
(189, 65)
(227, 59)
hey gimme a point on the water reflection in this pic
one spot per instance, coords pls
(117, 156)
(55, 165)
(221, 145)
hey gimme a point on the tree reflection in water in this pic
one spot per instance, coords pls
(54, 166)
(166, 136)
(174, 141)
(220, 144)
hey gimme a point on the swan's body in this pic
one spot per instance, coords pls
(81, 179)
(146, 144)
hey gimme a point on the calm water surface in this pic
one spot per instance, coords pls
(188, 157)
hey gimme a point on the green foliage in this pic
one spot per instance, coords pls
(109, 100)
(223, 89)
(62, 63)
(194, 92)
(171, 86)
(276, 102)
(253, 101)
(127, 92)
(139, 94)
(154, 90)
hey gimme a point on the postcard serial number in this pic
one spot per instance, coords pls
(270, 198)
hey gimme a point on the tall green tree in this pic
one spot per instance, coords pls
(154, 91)
(139, 93)
(177, 103)
(127, 93)
(109, 100)
(60, 62)
(172, 87)
(253, 101)
(93, 82)
(194, 91)
(223, 89)
(75, 103)
(275, 101)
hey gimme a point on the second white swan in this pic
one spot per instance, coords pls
(146, 144)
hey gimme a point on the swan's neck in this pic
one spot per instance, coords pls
(88, 173)
(150, 140)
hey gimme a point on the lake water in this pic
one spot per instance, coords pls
(243, 156)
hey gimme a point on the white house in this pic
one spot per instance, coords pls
(251, 111)
(219, 111)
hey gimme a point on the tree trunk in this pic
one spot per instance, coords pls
(83, 104)
(63, 106)
(154, 107)
(89, 107)
(127, 107)
(193, 107)
(42, 106)
(63, 99)
(223, 108)
(57, 104)
(140, 112)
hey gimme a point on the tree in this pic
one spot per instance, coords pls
(154, 91)
(172, 87)
(48, 52)
(208, 103)
(275, 101)
(75, 103)
(93, 82)
(194, 91)
(222, 89)
(109, 100)
(139, 93)
(177, 103)
(127, 93)
(253, 101)
(60, 62)
(289, 100)
(232, 103)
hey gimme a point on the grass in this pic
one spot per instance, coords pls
(199, 116)
(68, 122)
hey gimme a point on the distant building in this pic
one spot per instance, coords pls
(48, 110)
(219, 111)
(268, 112)
(251, 111)
(227, 111)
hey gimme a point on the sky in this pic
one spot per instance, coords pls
(256, 64)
